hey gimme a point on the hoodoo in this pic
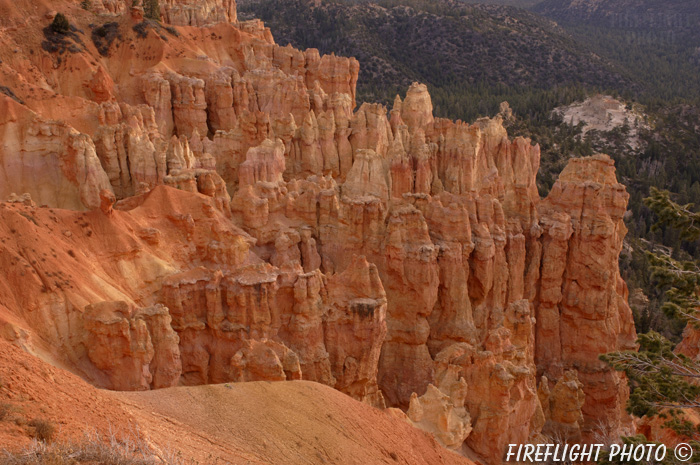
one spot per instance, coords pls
(260, 227)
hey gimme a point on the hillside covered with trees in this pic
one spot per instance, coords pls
(472, 57)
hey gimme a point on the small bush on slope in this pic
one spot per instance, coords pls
(60, 24)
(44, 430)
(93, 450)
(5, 410)
(104, 35)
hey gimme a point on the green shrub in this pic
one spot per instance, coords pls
(104, 35)
(60, 24)
(151, 9)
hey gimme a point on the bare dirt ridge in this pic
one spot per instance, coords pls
(240, 423)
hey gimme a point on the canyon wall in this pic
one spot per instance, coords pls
(224, 212)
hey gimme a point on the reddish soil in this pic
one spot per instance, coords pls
(287, 423)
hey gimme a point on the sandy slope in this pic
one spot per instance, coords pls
(248, 423)
(34, 389)
(296, 422)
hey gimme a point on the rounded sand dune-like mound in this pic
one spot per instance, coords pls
(290, 423)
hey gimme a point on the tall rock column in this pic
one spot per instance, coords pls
(355, 327)
(592, 316)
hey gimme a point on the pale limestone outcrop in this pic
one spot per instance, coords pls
(130, 148)
(441, 410)
(156, 93)
(264, 164)
(198, 13)
(278, 94)
(562, 407)
(367, 177)
(417, 108)
(221, 113)
(265, 360)
(47, 159)
(334, 73)
(113, 7)
(371, 129)
(188, 103)
(194, 170)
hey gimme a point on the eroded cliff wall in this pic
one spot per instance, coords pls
(215, 208)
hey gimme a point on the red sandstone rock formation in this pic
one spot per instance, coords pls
(198, 13)
(136, 349)
(403, 259)
(562, 407)
(592, 316)
(48, 159)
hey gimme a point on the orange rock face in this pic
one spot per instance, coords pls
(198, 13)
(222, 212)
(136, 349)
(591, 298)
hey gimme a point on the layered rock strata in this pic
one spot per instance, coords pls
(235, 217)
(136, 348)
(198, 13)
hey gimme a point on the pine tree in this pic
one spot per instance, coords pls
(60, 24)
(660, 378)
(663, 382)
(151, 9)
